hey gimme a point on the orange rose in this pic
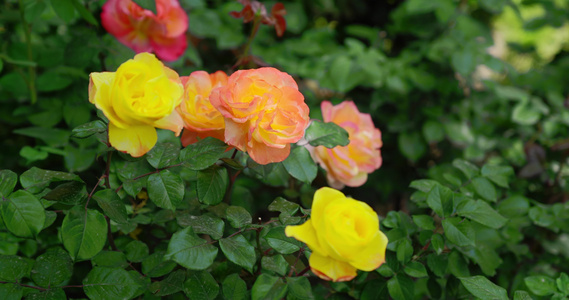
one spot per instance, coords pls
(350, 165)
(201, 119)
(264, 113)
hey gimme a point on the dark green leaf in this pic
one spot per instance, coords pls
(268, 287)
(110, 259)
(163, 155)
(284, 206)
(469, 170)
(11, 291)
(424, 221)
(459, 231)
(35, 180)
(239, 251)
(404, 250)
(541, 285)
(275, 263)
(8, 180)
(415, 269)
(483, 288)
(441, 200)
(190, 251)
(485, 188)
(84, 233)
(238, 216)
(64, 9)
(401, 287)
(438, 243)
(299, 164)
(522, 295)
(481, 212)
(498, 174)
(88, 129)
(13, 268)
(201, 285)
(157, 265)
(109, 283)
(299, 288)
(85, 14)
(212, 185)
(433, 131)
(277, 239)
(51, 294)
(69, 193)
(166, 189)
(172, 284)
(23, 214)
(412, 145)
(112, 205)
(423, 185)
(514, 206)
(438, 264)
(563, 283)
(32, 11)
(136, 251)
(205, 224)
(328, 135)
(52, 268)
(203, 154)
(234, 288)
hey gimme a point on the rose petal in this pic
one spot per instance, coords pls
(330, 269)
(134, 140)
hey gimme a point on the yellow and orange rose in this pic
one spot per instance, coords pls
(201, 119)
(350, 165)
(140, 96)
(343, 235)
(264, 113)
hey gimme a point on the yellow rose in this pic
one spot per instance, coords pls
(343, 235)
(140, 96)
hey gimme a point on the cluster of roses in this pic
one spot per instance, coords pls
(258, 111)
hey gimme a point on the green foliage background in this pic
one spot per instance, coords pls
(472, 192)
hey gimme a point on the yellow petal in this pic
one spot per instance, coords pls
(100, 84)
(322, 198)
(330, 269)
(373, 255)
(134, 140)
(306, 234)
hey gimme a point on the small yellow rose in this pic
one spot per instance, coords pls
(343, 235)
(140, 96)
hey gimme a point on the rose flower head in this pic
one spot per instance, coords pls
(143, 31)
(252, 9)
(343, 235)
(264, 113)
(201, 119)
(141, 95)
(350, 165)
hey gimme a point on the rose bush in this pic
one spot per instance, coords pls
(343, 235)
(349, 165)
(264, 113)
(163, 33)
(141, 95)
(201, 119)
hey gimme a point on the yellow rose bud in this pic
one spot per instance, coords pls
(140, 96)
(343, 235)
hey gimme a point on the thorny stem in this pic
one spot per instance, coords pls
(107, 169)
(110, 235)
(303, 271)
(31, 69)
(254, 30)
(297, 258)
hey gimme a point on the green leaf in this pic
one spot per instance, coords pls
(514, 206)
(481, 212)
(541, 285)
(284, 206)
(212, 185)
(112, 205)
(147, 4)
(423, 185)
(11, 291)
(563, 283)
(277, 239)
(23, 214)
(483, 288)
(52, 268)
(172, 284)
(85, 13)
(328, 135)
(299, 288)
(441, 200)
(276, 263)
(51, 80)
(238, 216)
(234, 288)
(51, 294)
(203, 154)
(8, 180)
(35, 180)
(109, 283)
(524, 113)
(457, 265)
(412, 145)
(201, 285)
(415, 269)
(433, 131)
(136, 251)
(401, 287)
(166, 189)
(110, 259)
(469, 170)
(190, 251)
(239, 251)
(424, 221)
(84, 233)
(404, 250)
(88, 129)
(268, 287)
(299, 164)
(459, 231)
(438, 243)
(64, 9)
(163, 155)
(205, 224)
(33, 154)
(32, 11)
(522, 295)
(485, 188)
(13, 268)
(157, 265)
(68, 193)
(498, 174)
